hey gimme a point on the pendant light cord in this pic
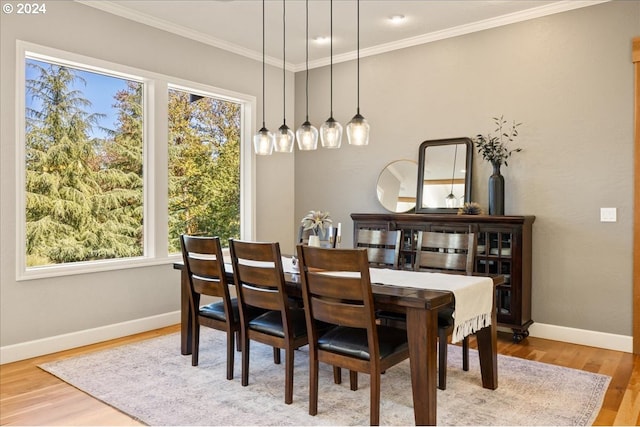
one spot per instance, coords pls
(455, 156)
(284, 68)
(307, 57)
(263, 74)
(331, 57)
(358, 58)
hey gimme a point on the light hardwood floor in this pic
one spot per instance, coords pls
(30, 396)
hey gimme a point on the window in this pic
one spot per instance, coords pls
(204, 167)
(92, 156)
(83, 164)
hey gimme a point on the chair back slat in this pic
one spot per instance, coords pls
(339, 313)
(203, 260)
(332, 287)
(337, 288)
(258, 274)
(383, 246)
(445, 251)
(266, 298)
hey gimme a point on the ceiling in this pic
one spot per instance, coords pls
(236, 25)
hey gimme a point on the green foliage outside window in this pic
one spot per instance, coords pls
(204, 168)
(84, 194)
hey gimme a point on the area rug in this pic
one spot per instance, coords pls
(152, 382)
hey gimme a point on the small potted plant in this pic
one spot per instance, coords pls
(317, 221)
(494, 149)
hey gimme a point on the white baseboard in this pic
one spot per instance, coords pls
(29, 349)
(582, 337)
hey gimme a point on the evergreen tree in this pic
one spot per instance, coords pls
(119, 207)
(69, 211)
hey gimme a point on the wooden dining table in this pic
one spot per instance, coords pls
(421, 309)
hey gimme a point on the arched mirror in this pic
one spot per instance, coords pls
(444, 175)
(396, 186)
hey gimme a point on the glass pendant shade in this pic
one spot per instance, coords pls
(450, 201)
(307, 136)
(331, 133)
(284, 139)
(263, 142)
(358, 131)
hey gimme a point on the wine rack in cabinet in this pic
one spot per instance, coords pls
(503, 247)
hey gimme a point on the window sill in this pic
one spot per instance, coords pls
(44, 272)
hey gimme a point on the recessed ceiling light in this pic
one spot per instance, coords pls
(397, 19)
(322, 39)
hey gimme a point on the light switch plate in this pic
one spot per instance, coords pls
(608, 215)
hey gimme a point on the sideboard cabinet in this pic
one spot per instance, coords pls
(503, 247)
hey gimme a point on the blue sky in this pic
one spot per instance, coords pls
(99, 90)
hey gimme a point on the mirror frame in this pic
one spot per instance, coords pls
(421, 163)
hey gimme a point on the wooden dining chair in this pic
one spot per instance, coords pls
(446, 252)
(259, 280)
(328, 236)
(383, 247)
(345, 301)
(204, 266)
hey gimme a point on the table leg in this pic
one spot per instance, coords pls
(422, 330)
(488, 352)
(186, 328)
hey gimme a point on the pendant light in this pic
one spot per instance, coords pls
(358, 128)
(451, 201)
(285, 136)
(264, 140)
(331, 130)
(307, 134)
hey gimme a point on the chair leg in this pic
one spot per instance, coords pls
(288, 385)
(230, 354)
(337, 375)
(313, 386)
(238, 341)
(374, 410)
(353, 380)
(245, 360)
(465, 354)
(442, 358)
(195, 342)
(276, 355)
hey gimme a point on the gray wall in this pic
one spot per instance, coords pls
(569, 79)
(36, 309)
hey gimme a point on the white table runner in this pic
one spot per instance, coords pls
(473, 294)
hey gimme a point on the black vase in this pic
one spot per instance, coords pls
(496, 191)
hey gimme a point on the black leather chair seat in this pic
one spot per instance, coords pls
(271, 323)
(353, 341)
(215, 310)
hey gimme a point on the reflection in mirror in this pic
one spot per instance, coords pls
(396, 186)
(444, 175)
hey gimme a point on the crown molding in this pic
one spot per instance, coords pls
(499, 21)
(161, 24)
(512, 18)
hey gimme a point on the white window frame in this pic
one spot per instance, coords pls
(155, 160)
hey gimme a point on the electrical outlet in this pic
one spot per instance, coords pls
(608, 215)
